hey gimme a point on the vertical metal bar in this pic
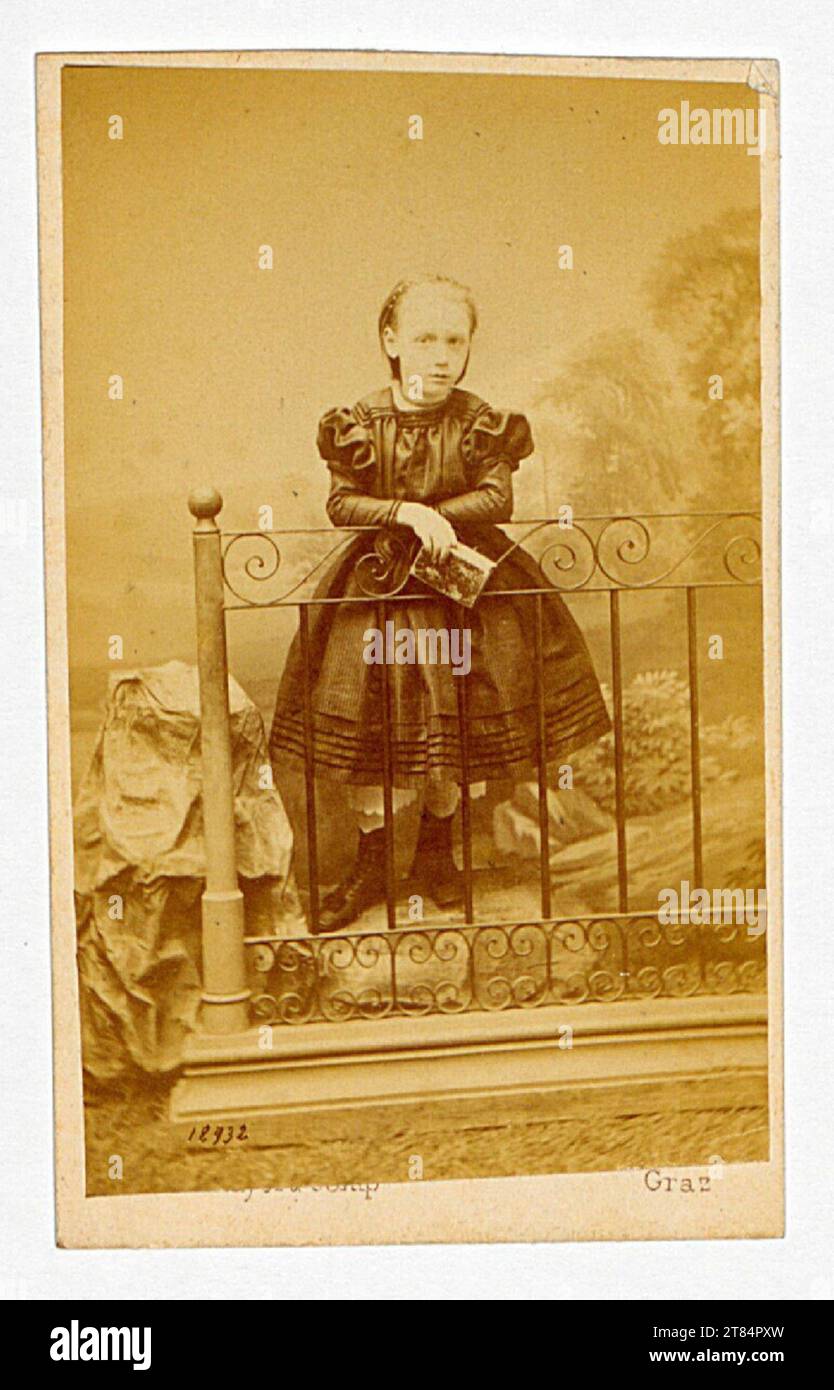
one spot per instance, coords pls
(309, 768)
(387, 777)
(395, 1000)
(619, 766)
(550, 931)
(694, 735)
(225, 991)
(465, 803)
(541, 753)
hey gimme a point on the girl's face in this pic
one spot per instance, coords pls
(431, 337)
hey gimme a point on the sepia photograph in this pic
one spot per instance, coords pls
(411, 436)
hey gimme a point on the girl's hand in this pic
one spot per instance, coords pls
(433, 530)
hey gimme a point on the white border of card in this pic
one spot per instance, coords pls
(749, 1201)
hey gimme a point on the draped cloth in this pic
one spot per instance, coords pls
(140, 865)
(458, 458)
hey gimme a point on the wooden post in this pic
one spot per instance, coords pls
(225, 992)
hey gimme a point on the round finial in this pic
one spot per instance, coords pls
(204, 502)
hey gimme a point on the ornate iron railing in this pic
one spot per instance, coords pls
(455, 969)
(414, 969)
(593, 553)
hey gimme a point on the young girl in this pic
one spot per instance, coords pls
(430, 465)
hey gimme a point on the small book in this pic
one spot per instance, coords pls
(460, 575)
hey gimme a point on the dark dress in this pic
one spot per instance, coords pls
(458, 458)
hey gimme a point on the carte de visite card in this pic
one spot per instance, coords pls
(411, 468)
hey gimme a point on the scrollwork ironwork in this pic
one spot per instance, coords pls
(419, 970)
(623, 545)
(383, 572)
(596, 553)
(260, 567)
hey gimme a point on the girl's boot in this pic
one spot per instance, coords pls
(364, 885)
(434, 864)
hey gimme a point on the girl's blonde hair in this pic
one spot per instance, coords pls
(388, 313)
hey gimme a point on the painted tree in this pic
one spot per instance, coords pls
(705, 295)
(614, 431)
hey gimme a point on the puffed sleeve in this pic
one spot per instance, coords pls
(345, 442)
(492, 449)
(346, 445)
